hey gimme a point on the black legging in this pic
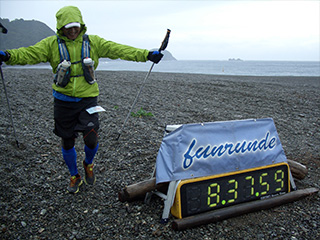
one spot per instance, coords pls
(90, 138)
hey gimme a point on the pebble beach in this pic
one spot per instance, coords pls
(33, 191)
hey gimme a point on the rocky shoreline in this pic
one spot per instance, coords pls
(35, 203)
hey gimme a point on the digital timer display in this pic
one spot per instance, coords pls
(194, 196)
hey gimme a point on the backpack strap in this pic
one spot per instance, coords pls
(64, 54)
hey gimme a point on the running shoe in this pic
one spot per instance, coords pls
(89, 177)
(75, 183)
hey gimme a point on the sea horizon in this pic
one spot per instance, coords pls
(215, 67)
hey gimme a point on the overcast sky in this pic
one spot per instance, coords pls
(201, 30)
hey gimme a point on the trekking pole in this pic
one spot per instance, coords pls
(4, 30)
(8, 103)
(162, 47)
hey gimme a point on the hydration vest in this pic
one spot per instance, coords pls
(64, 55)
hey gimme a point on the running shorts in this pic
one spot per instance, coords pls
(72, 117)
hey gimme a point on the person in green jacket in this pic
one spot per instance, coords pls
(75, 88)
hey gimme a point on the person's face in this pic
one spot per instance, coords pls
(71, 33)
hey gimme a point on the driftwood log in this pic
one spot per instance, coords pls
(138, 190)
(298, 170)
(224, 213)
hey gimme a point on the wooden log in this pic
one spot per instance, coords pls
(233, 211)
(139, 190)
(298, 170)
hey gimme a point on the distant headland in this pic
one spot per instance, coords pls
(235, 59)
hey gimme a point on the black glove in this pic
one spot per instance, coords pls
(4, 56)
(155, 56)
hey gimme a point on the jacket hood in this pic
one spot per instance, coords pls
(67, 15)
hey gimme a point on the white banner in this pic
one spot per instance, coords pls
(197, 150)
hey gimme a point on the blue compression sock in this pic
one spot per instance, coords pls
(70, 157)
(90, 153)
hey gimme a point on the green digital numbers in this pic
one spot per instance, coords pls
(250, 179)
(254, 185)
(234, 188)
(279, 178)
(213, 192)
(264, 184)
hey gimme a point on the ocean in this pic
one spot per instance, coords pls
(245, 68)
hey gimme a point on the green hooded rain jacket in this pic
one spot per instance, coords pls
(47, 51)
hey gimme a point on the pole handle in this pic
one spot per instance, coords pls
(165, 41)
